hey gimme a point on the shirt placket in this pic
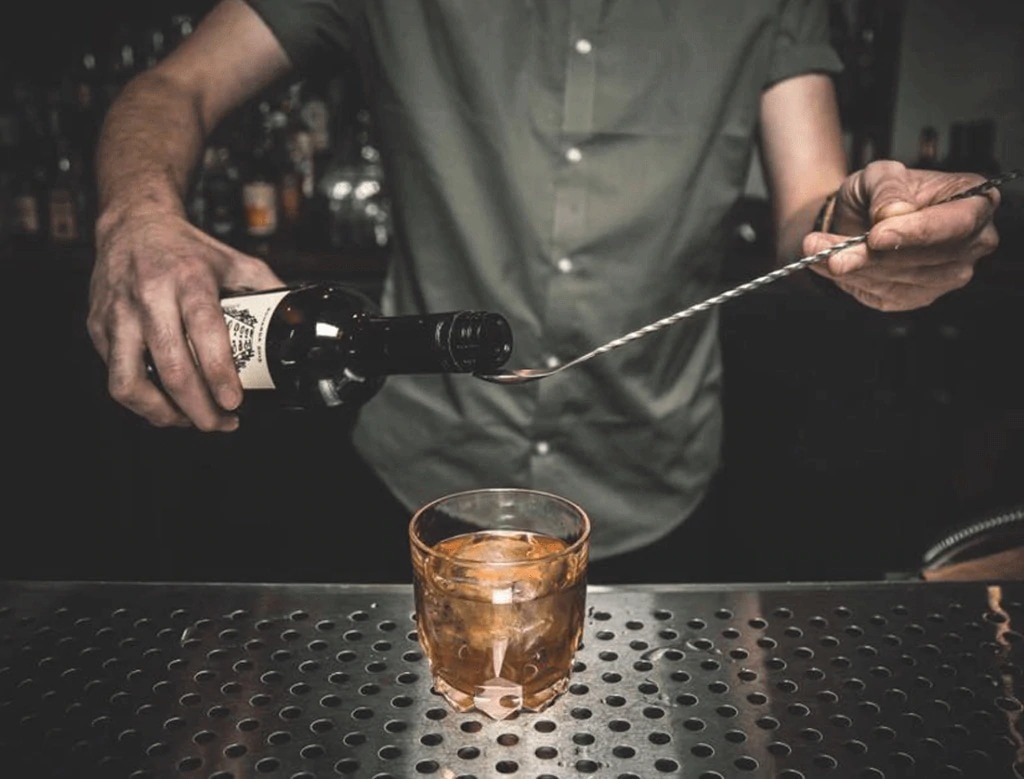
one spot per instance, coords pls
(570, 215)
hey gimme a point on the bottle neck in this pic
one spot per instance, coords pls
(452, 342)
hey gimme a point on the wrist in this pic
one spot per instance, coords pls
(825, 221)
(128, 210)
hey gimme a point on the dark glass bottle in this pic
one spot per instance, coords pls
(260, 184)
(216, 206)
(70, 198)
(29, 200)
(928, 149)
(324, 345)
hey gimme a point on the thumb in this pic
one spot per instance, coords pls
(889, 192)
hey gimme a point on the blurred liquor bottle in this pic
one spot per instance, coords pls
(120, 61)
(152, 45)
(259, 180)
(972, 147)
(357, 212)
(215, 205)
(294, 157)
(29, 187)
(25, 152)
(70, 201)
(927, 150)
(82, 103)
(181, 26)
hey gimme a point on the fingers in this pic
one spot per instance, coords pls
(939, 225)
(172, 350)
(247, 273)
(884, 190)
(155, 290)
(903, 258)
(905, 290)
(127, 380)
(898, 281)
(203, 320)
(920, 244)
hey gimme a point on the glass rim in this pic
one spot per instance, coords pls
(572, 548)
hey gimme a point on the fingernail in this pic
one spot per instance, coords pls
(228, 399)
(889, 240)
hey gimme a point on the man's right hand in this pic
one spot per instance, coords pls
(156, 287)
(157, 280)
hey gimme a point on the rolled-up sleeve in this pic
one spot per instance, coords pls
(315, 34)
(802, 42)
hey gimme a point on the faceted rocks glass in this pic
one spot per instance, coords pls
(499, 577)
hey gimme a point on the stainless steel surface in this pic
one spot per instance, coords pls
(522, 375)
(867, 681)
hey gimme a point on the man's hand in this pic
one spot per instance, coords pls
(915, 251)
(156, 286)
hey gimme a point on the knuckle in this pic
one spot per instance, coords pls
(163, 419)
(121, 390)
(883, 168)
(962, 275)
(988, 241)
(175, 376)
(97, 332)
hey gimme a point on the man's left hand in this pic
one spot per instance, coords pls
(915, 251)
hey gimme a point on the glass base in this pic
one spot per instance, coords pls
(500, 698)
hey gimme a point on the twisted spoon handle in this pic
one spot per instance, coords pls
(529, 374)
(774, 275)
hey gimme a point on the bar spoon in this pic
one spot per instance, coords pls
(524, 375)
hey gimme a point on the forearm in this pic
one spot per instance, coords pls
(803, 156)
(791, 229)
(150, 143)
(155, 131)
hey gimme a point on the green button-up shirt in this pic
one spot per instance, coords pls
(570, 164)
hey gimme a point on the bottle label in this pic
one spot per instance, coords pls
(63, 216)
(291, 199)
(26, 215)
(260, 199)
(316, 116)
(248, 320)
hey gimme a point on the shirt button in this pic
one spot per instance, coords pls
(583, 46)
(541, 447)
(551, 361)
(565, 265)
(574, 154)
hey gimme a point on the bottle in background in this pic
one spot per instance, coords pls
(70, 198)
(357, 207)
(120, 62)
(70, 202)
(972, 147)
(152, 45)
(317, 115)
(180, 27)
(294, 153)
(928, 149)
(24, 159)
(260, 184)
(28, 202)
(216, 206)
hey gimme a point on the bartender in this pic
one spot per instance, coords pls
(568, 164)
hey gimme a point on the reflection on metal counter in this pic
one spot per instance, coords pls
(873, 680)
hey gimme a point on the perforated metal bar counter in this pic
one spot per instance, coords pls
(872, 681)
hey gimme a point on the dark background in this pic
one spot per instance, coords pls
(853, 437)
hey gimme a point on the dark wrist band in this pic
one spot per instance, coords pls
(826, 214)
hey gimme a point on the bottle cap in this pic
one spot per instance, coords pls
(479, 340)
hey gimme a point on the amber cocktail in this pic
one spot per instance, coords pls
(500, 584)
